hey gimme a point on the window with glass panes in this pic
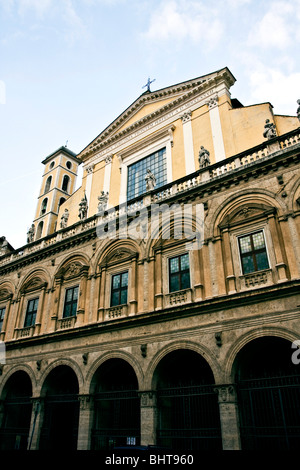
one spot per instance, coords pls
(179, 272)
(31, 310)
(156, 163)
(253, 252)
(2, 313)
(119, 289)
(71, 299)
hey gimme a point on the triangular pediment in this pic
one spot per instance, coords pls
(150, 105)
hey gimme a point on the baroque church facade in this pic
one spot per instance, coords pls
(158, 304)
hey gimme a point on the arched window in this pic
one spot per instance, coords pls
(44, 206)
(48, 184)
(61, 201)
(65, 183)
(39, 230)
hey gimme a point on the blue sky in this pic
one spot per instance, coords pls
(69, 67)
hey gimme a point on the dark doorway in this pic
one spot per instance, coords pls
(116, 406)
(268, 385)
(61, 410)
(16, 415)
(188, 410)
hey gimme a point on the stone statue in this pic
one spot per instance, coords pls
(83, 208)
(30, 234)
(103, 199)
(298, 110)
(150, 180)
(64, 219)
(270, 130)
(203, 158)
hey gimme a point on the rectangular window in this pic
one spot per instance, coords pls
(2, 313)
(119, 289)
(71, 299)
(156, 163)
(30, 317)
(179, 272)
(253, 252)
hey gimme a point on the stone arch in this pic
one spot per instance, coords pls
(294, 196)
(117, 249)
(24, 368)
(7, 290)
(76, 260)
(245, 339)
(129, 358)
(257, 198)
(185, 228)
(71, 363)
(202, 350)
(35, 279)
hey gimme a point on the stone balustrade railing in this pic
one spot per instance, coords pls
(200, 177)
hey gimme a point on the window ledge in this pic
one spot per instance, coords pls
(116, 312)
(255, 279)
(178, 297)
(68, 322)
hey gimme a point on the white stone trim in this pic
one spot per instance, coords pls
(188, 142)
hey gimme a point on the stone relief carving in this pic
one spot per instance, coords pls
(204, 157)
(270, 130)
(64, 219)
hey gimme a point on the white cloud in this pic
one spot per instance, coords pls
(176, 20)
(277, 28)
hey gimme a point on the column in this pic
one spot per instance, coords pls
(85, 422)
(38, 321)
(82, 296)
(148, 417)
(229, 416)
(198, 284)
(133, 287)
(36, 423)
(280, 264)
(55, 304)
(19, 313)
(188, 142)
(5, 319)
(107, 174)
(158, 281)
(88, 185)
(290, 245)
(150, 284)
(102, 294)
(140, 286)
(206, 269)
(230, 277)
(219, 265)
(216, 128)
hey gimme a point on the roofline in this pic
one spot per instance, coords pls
(153, 93)
(62, 149)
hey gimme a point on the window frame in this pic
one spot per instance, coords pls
(120, 289)
(180, 272)
(72, 302)
(32, 315)
(2, 316)
(253, 252)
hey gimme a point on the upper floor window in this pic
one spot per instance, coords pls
(44, 206)
(65, 184)
(119, 289)
(253, 252)
(71, 300)
(31, 311)
(179, 272)
(156, 163)
(2, 313)
(48, 184)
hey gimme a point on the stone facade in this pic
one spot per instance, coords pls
(198, 332)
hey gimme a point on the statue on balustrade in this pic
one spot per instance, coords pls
(298, 110)
(64, 219)
(150, 180)
(103, 200)
(204, 157)
(30, 234)
(270, 130)
(83, 208)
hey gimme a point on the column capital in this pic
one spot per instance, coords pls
(226, 393)
(148, 398)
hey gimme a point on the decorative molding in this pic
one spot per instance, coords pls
(212, 102)
(186, 117)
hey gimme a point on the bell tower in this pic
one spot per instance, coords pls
(58, 184)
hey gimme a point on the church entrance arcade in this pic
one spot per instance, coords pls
(187, 404)
(15, 413)
(116, 420)
(61, 410)
(268, 390)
